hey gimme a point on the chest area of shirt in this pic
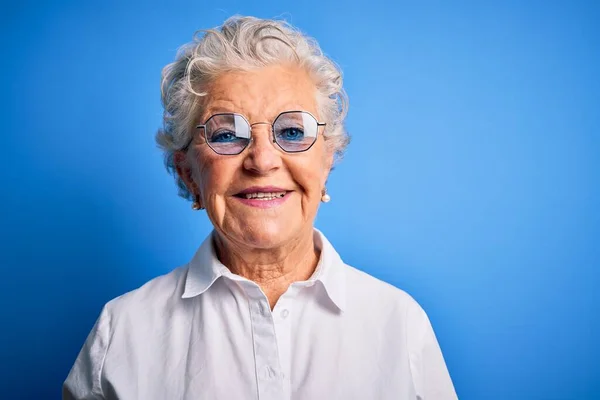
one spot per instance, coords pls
(234, 346)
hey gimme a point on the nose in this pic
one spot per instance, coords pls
(262, 157)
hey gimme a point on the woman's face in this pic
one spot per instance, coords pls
(260, 95)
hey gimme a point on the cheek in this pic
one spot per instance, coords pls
(213, 175)
(320, 165)
(311, 173)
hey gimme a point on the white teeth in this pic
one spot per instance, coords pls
(265, 196)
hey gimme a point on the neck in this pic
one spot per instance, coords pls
(274, 270)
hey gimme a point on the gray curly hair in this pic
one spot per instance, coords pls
(244, 43)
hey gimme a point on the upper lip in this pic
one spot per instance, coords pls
(262, 189)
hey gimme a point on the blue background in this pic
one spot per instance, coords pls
(472, 181)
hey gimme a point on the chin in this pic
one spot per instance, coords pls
(265, 234)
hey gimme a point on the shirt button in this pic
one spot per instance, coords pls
(285, 313)
(269, 373)
(264, 308)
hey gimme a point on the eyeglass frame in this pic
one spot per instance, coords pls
(203, 126)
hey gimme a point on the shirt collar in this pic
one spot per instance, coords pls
(205, 268)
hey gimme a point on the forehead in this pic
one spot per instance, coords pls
(261, 94)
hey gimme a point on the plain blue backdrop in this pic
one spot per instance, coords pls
(472, 180)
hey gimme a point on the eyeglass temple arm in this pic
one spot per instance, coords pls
(187, 145)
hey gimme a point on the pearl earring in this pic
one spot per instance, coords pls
(196, 205)
(325, 198)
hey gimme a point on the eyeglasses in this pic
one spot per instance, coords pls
(231, 133)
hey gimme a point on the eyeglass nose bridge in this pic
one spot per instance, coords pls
(261, 123)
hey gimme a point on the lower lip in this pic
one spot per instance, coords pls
(264, 203)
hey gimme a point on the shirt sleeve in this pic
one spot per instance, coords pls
(84, 380)
(430, 375)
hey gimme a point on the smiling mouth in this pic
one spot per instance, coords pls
(262, 195)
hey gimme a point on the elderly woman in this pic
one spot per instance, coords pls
(266, 309)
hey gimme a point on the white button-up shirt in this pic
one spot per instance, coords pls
(202, 332)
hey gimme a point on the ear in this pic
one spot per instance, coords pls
(184, 171)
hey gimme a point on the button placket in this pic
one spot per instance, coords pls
(266, 352)
(283, 328)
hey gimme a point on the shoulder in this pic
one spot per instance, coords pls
(123, 325)
(362, 285)
(382, 303)
(154, 296)
(405, 329)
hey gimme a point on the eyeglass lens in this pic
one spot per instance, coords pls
(229, 134)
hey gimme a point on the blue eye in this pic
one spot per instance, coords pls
(223, 137)
(292, 134)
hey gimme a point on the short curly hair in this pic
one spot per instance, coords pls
(244, 43)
